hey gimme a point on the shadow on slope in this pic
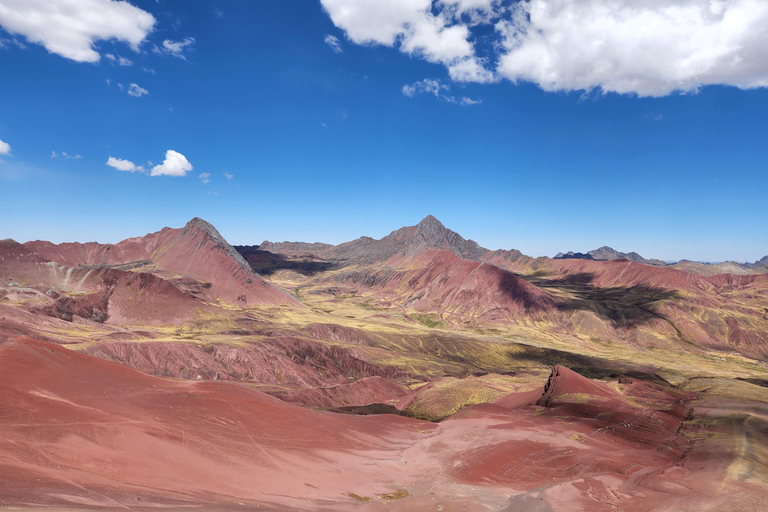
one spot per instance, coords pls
(267, 263)
(623, 306)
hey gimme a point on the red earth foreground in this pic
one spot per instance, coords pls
(77, 432)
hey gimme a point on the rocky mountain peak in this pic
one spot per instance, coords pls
(198, 225)
(432, 233)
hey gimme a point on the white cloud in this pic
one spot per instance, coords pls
(5, 148)
(136, 91)
(70, 28)
(175, 164)
(175, 48)
(646, 48)
(149, 70)
(205, 177)
(411, 25)
(219, 13)
(227, 175)
(123, 165)
(643, 47)
(466, 102)
(124, 62)
(334, 43)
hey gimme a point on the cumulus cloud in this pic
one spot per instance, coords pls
(646, 48)
(205, 177)
(175, 164)
(334, 43)
(5, 148)
(643, 47)
(123, 165)
(412, 26)
(175, 48)
(70, 28)
(136, 91)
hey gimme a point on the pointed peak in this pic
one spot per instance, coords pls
(430, 220)
(198, 225)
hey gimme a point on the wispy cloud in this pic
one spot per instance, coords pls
(334, 43)
(427, 85)
(227, 175)
(5, 43)
(438, 90)
(66, 155)
(119, 60)
(175, 48)
(136, 91)
(205, 177)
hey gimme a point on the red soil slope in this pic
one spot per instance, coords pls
(81, 431)
(441, 281)
(589, 449)
(76, 431)
(196, 251)
(98, 294)
(623, 273)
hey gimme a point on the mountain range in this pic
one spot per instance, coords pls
(176, 370)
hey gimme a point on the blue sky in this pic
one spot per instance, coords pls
(515, 141)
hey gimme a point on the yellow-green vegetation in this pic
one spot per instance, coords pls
(446, 396)
(572, 398)
(358, 497)
(727, 388)
(430, 320)
(398, 494)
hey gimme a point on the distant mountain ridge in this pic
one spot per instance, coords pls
(762, 262)
(606, 253)
(430, 233)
